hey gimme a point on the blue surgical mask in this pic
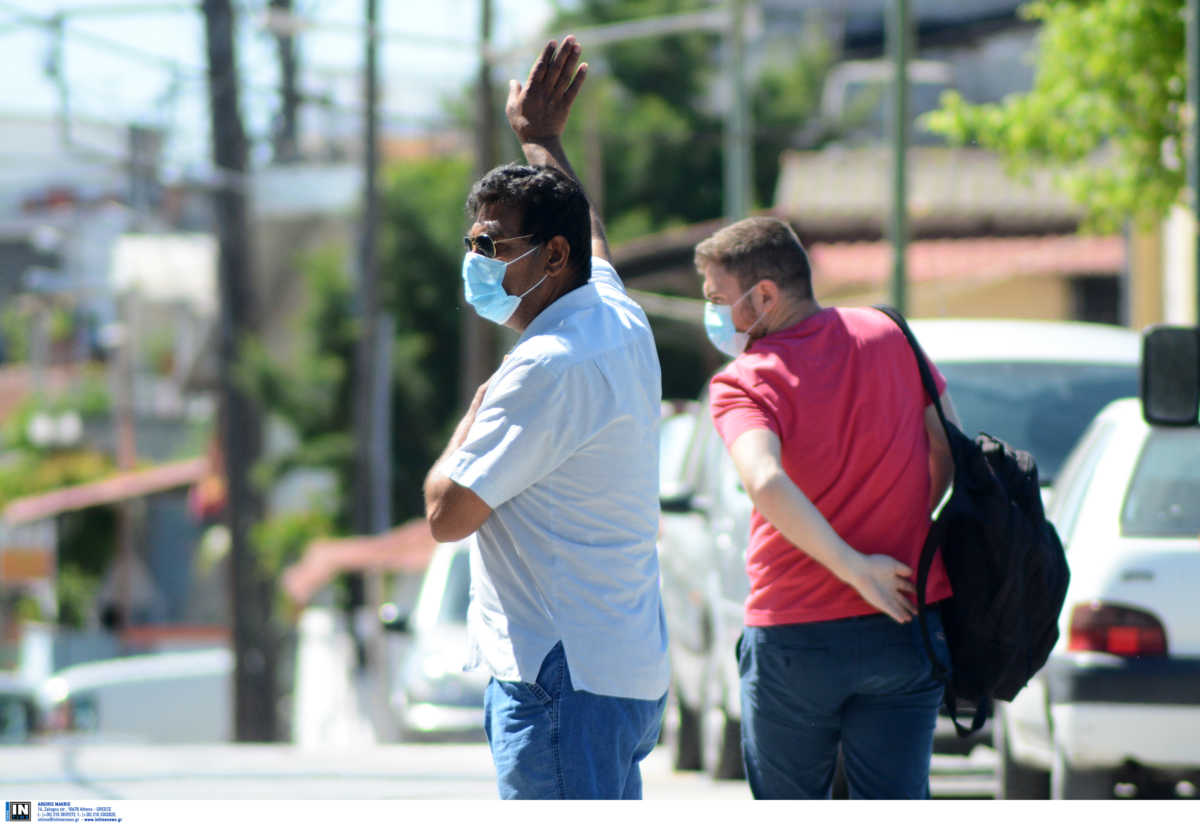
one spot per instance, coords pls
(718, 323)
(483, 282)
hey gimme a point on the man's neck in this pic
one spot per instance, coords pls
(797, 313)
(523, 323)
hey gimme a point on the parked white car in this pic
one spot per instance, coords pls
(431, 696)
(1034, 384)
(1118, 703)
(164, 697)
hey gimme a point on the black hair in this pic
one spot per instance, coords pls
(550, 202)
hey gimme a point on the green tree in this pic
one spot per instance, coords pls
(646, 134)
(312, 392)
(1106, 107)
(421, 258)
(645, 120)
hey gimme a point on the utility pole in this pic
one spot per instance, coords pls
(372, 389)
(241, 437)
(1193, 94)
(55, 70)
(899, 34)
(285, 131)
(478, 338)
(738, 195)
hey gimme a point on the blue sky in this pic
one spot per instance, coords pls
(119, 66)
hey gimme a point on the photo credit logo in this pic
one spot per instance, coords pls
(18, 811)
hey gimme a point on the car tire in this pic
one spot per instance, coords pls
(1067, 782)
(722, 745)
(688, 749)
(1013, 779)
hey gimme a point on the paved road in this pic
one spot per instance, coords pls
(373, 772)
(342, 750)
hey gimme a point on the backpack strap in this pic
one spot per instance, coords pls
(933, 540)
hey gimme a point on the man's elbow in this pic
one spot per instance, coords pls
(442, 520)
(445, 531)
(452, 512)
(762, 487)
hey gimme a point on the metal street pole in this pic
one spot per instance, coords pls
(1193, 94)
(368, 286)
(372, 389)
(285, 132)
(738, 197)
(478, 354)
(899, 32)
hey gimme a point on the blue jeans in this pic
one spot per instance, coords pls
(865, 683)
(550, 740)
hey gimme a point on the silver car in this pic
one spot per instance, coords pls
(431, 696)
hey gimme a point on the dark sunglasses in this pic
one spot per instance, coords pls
(485, 245)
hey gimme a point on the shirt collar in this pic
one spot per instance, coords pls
(578, 298)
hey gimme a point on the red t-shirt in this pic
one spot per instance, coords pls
(842, 391)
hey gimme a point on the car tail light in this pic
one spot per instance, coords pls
(1117, 630)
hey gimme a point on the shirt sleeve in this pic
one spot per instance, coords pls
(735, 409)
(519, 435)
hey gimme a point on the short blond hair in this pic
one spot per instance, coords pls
(759, 248)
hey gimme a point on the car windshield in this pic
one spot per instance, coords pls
(458, 591)
(1162, 500)
(1041, 408)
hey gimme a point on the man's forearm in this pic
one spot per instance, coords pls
(789, 511)
(550, 152)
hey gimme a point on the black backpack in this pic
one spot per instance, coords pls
(1005, 563)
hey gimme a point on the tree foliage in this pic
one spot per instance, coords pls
(647, 130)
(1106, 106)
(312, 391)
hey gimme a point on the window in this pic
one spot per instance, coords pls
(1096, 298)
(1163, 499)
(1076, 478)
(1042, 408)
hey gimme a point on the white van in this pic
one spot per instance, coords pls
(166, 697)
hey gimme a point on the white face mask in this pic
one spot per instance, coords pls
(718, 323)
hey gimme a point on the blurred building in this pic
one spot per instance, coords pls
(982, 243)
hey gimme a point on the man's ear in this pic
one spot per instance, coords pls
(558, 256)
(769, 294)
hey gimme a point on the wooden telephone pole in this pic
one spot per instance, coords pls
(478, 356)
(240, 426)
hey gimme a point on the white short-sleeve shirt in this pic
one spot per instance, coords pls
(564, 449)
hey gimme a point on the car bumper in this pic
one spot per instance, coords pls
(1108, 711)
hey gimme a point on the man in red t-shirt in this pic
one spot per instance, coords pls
(844, 458)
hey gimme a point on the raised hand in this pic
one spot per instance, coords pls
(538, 110)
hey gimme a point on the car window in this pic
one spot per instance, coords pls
(1042, 408)
(458, 591)
(1163, 499)
(1076, 476)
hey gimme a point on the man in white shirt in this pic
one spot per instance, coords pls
(554, 471)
